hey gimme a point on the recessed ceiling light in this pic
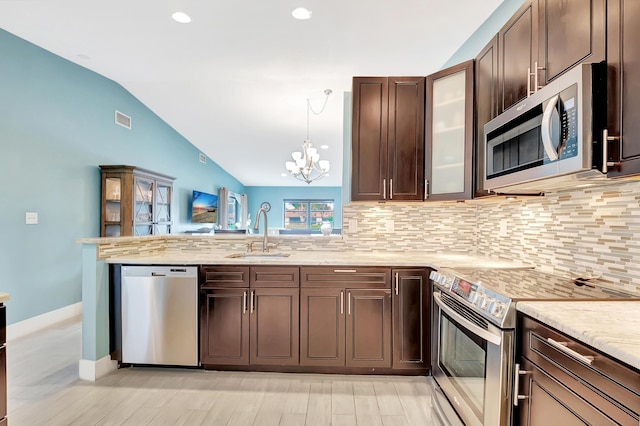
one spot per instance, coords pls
(181, 17)
(301, 13)
(324, 146)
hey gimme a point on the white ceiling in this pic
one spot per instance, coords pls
(234, 81)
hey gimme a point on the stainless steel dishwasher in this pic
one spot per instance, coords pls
(160, 315)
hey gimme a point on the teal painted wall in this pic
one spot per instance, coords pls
(489, 28)
(56, 127)
(276, 195)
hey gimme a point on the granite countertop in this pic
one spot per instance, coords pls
(319, 258)
(4, 297)
(611, 327)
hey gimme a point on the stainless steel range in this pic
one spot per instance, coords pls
(474, 321)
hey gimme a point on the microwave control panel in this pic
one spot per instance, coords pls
(568, 112)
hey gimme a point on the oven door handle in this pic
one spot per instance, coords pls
(484, 334)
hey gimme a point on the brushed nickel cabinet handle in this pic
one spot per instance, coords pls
(349, 303)
(244, 303)
(396, 283)
(349, 271)
(516, 384)
(426, 189)
(391, 189)
(605, 151)
(562, 347)
(342, 303)
(253, 293)
(384, 189)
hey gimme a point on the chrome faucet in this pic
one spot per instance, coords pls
(264, 208)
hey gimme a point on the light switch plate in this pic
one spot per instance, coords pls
(390, 225)
(31, 218)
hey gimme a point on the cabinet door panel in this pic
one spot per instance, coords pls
(406, 138)
(274, 326)
(549, 401)
(486, 95)
(411, 314)
(518, 50)
(623, 59)
(368, 328)
(369, 138)
(322, 322)
(570, 32)
(224, 327)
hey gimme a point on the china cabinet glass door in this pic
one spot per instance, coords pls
(112, 207)
(143, 206)
(162, 219)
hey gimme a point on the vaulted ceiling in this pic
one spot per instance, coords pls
(235, 80)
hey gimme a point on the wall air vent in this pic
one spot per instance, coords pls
(203, 158)
(123, 120)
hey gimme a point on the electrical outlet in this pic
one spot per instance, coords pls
(31, 218)
(390, 225)
(353, 225)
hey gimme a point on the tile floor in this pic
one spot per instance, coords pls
(44, 389)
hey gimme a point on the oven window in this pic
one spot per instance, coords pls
(463, 357)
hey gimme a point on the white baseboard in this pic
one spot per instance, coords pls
(30, 325)
(93, 370)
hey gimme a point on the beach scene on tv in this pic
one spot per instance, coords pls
(204, 208)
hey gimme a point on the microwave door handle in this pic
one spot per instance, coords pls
(546, 129)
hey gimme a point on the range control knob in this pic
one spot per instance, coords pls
(497, 309)
(473, 296)
(481, 301)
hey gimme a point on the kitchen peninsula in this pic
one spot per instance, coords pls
(98, 253)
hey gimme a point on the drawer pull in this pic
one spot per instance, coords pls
(562, 347)
(516, 385)
(350, 271)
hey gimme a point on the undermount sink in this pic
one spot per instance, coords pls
(258, 255)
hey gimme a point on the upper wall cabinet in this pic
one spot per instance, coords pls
(135, 202)
(518, 44)
(544, 39)
(486, 94)
(387, 139)
(624, 84)
(449, 131)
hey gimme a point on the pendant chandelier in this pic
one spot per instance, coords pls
(306, 165)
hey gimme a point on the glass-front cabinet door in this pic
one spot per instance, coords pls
(449, 134)
(143, 206)
(162, 219)
(112, 206)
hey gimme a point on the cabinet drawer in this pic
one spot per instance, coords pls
(606, 383)
(275, 276)
(345, 276)
(224, 276)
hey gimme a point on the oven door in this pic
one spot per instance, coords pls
(472, 362)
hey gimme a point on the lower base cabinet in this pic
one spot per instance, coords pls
(411, 318)
(345, 327)
(565, 382)
(273, 329)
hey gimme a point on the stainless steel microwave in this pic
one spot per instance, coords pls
(552, 139)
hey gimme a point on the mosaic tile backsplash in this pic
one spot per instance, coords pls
(590, 232)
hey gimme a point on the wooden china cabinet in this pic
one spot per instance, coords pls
(135, 201)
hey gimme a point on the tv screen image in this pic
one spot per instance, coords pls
(204, 208)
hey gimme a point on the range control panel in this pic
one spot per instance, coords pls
(493, 305)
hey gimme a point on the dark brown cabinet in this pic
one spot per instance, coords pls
(544, 39)
(249, 315)
(486, 97)
(449, 133)
(411, 318)
(345, 317)
(623, 55)
(518, 47)
(387, 138)
(134, 201)
(563, 380)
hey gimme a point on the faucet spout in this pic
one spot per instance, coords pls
(265, 241)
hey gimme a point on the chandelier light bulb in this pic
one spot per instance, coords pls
(296, 155)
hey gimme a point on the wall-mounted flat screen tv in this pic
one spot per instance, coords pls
(204, 208)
